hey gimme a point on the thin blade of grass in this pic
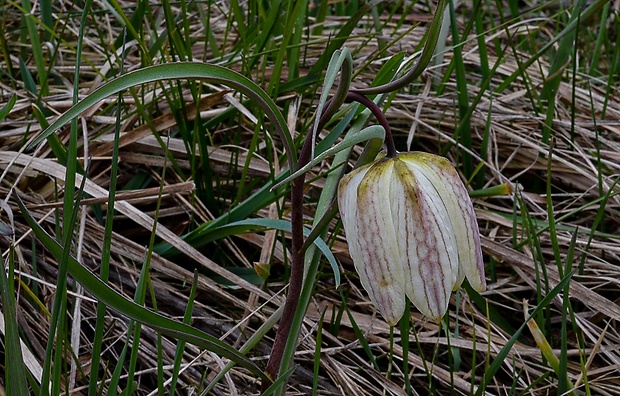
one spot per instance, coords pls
(6, 109)
(37, 53)
(464, 131)
(338, 41)
(175, 71)
(503, 353)
(589, 12)
(290, 36)
(317, 354)
(14, 360)
(110, 297)
(56, 337)
(187, 317)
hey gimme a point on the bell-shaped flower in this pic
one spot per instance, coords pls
(411, 230)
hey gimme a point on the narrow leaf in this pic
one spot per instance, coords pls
(175, 71)
(111, 298)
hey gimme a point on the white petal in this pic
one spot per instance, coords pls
(429, 252)
(363, 199)
(449, 186)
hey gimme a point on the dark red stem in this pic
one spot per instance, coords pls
(378, 113)
(297, 264)
(297, 236)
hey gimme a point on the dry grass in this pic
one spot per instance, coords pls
(584, 166)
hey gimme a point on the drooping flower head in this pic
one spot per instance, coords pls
(412, 231)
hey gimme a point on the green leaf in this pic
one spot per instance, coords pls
(27, 78)
(341, 37)
(57, 146)
(371, 132)
(15, 373)
(242, 226)
(503, 353)
(282, 379)
(4, 111)
(388, 70)
(182, 70)
(112, 299)
(341, 62)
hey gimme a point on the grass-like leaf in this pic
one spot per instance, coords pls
(503, 353)
(14, 362)
(111, 298)
(181, 70)
(4, 111)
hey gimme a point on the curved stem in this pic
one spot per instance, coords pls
(423, 61)
(297, 264)
(378, 113)
(297, 239)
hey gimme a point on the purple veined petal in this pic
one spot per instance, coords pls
(363, 198)
(347, 205)
(449, 186)
(428, 245)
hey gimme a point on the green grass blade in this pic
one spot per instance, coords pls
(338, 41)
(602, 38)
(547, 352)
(36, 47)
(187, 317)
(144, 281)
(359, 334)
(57, 332)
(295, 17)
(239, 18)
(251, 225)
(160, 323)
(4, 50)
(341, 62)
(15, 373)
(319, 14)
(182, 70)
(58, 148)
(259, 199)
(279, 383)
(463, 98)
(27, 78)
(558, 64)
(317, 354)
(503, 353)
(267, 28)
(130, 24)
(115, 378)
(6, 109)
(46, 16)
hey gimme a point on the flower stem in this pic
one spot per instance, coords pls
(378, 113)
(297, 237)
(297, 264)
